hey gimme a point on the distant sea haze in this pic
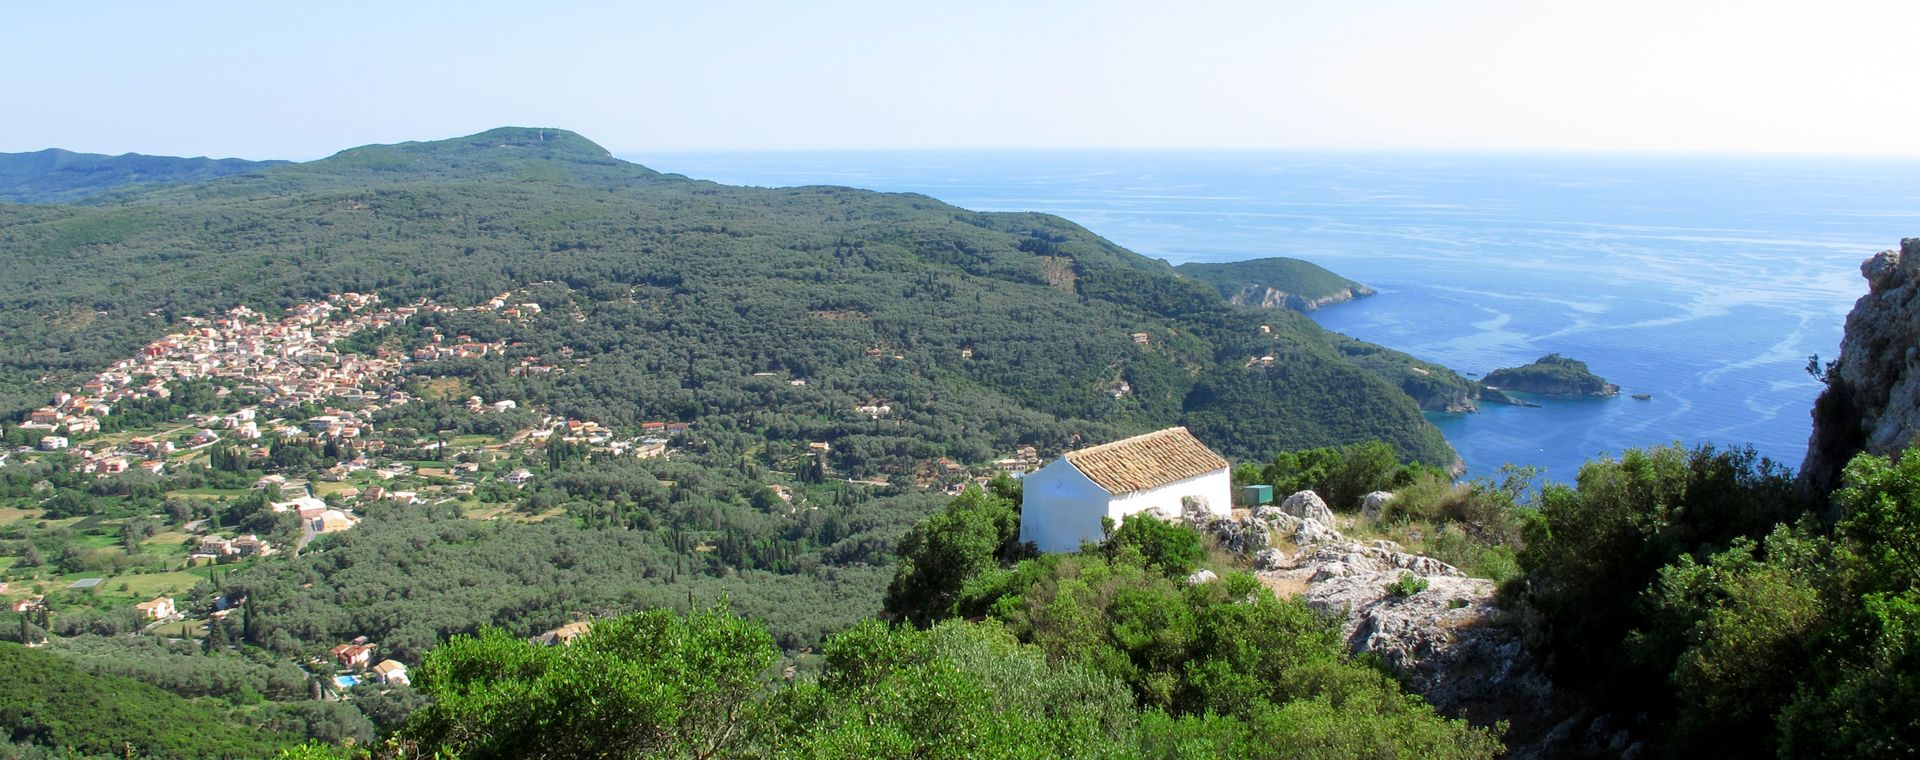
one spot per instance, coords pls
(1705, 282)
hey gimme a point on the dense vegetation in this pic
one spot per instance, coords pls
(1706, 589)
(47, 701)
(1008, 328)
(1553, 375)
(61, 176)
(1296, 284)
(1103, 654)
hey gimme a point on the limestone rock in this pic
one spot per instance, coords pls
(1312, 531)
(1440, 640)
(1872, 400)
(1202, 576)
(1308, 505)
(1373, 504)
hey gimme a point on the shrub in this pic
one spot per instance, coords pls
(1407, 585)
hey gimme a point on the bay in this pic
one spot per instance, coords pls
(1703, 281)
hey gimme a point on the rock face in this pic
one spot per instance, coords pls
(1273, 298)
(1442, 641)
(1872, 400)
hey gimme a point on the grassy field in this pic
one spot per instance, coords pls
(182, 629)
(188, 493)
(93, 541)
(477, 510)
(324, 488)
(172, 543)
(15, 514)
(149, 585)
(447, 389)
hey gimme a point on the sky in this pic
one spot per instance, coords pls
(269, 80)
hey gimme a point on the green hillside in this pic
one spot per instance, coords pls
(48, 701)
(1009, 328)
(62, 176)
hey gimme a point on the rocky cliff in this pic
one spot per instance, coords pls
(1276, 283)
(1872, 400)
(1274, 298)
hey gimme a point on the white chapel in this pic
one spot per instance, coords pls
(1168, 471)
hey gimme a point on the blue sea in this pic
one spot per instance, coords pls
(1703, 281)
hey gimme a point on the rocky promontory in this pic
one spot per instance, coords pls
(1551, 375)
(1872, 400)
(1276, 283)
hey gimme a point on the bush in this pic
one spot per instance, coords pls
(1173, 548)
(1407, 585)
(1449, 543)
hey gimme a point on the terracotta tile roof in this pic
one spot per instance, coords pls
(1146, 461)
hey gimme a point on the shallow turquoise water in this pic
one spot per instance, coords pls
(1703, 281)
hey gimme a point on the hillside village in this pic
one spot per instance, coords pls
(289, 381)
(306, 380)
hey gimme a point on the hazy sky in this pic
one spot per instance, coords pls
(256, 80)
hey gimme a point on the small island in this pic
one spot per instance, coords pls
(1552, 375)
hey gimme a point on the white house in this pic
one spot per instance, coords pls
(159, 608)
(1168, 471)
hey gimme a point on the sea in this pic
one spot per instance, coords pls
(1703, 282)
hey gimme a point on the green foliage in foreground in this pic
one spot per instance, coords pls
(645, 685)
(1101, 654)
(976, 532)
(1219, 659)
(1706, 581)
(47, 701)
(657, 684)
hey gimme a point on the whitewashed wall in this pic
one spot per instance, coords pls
(1215, 487)
(1060, 507)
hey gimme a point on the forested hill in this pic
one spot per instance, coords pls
(677, 297)
(62, 176)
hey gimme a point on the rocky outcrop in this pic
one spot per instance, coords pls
(1307, 505)
(1872, 400)
(1443, 641)
(1373, 504)
(1268, 297)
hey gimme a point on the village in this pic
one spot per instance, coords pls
(309, 379)
(286, 381)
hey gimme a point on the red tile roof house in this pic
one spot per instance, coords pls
(353, 655)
